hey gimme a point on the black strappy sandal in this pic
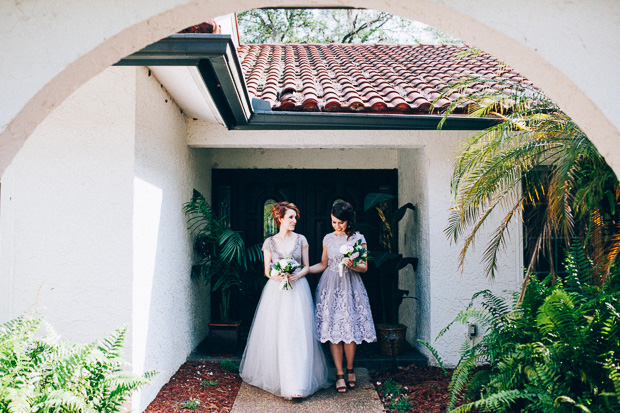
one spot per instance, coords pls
(351, 383)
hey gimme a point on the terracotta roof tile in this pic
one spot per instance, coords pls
(368, 78)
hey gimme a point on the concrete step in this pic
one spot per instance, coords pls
(367, 356)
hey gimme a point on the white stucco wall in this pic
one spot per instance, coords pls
(171, 311)
(450, 290)
(308, 158)
(414, 235)
(92, 232)
(66, 222)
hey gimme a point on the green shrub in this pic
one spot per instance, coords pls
(51, 375)
(401, 404)
(191, 404)
(556, 351)
(394, 397)
(230, 366)
(390, 388)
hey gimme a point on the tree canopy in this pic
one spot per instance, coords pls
(334, 26)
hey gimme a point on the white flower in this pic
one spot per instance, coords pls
(275, 272)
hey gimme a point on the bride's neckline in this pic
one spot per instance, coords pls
(280, 243)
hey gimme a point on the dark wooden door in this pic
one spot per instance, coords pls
(242, 193)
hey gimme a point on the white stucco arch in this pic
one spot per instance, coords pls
(568, 48)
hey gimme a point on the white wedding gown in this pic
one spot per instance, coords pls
(282, 355)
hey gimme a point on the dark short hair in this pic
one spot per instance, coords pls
(279, 210)
(345, 212)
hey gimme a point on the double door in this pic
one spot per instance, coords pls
(244, 195)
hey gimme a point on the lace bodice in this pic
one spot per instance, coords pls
(333, 243)
(272, 244)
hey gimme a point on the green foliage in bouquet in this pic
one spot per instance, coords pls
(556, 351)
(52, 375)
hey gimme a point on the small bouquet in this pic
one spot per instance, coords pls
(284, 266)
(355, 251)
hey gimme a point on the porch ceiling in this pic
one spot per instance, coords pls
(204, 75)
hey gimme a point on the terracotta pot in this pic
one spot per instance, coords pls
(386, 345)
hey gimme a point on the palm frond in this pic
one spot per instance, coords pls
(495, 164)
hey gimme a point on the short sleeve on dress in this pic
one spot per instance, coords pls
(267, 245)
(303, 241)
(361, 237)
(325, 238)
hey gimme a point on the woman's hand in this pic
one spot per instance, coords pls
(348, 262)
(279, 277)
(295, 275)
(360, 267)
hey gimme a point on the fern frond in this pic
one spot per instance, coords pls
(614, 374)
(58, 401)
(498, 402)
(112, 345)
(459, 380)
(435, 354)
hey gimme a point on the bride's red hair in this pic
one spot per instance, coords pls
(279, 210)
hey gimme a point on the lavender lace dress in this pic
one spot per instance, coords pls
(342, 307)
(282, 355)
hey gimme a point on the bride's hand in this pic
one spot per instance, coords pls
(348, 262)
(279, 277)
(295, 275)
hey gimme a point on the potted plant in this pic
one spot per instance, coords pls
(389, 262)
(222, 260)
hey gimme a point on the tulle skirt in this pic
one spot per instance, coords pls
(282, 355)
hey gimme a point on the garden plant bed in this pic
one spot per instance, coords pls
(212, 386)
(216, 389)
(425, 388)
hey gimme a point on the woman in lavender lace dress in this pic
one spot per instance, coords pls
(343, 314)
(282, 355)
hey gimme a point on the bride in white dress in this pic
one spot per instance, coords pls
(282, 355)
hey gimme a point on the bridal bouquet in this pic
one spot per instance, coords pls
(284, 266)
(355, 251)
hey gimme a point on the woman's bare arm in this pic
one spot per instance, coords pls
(320, 267)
